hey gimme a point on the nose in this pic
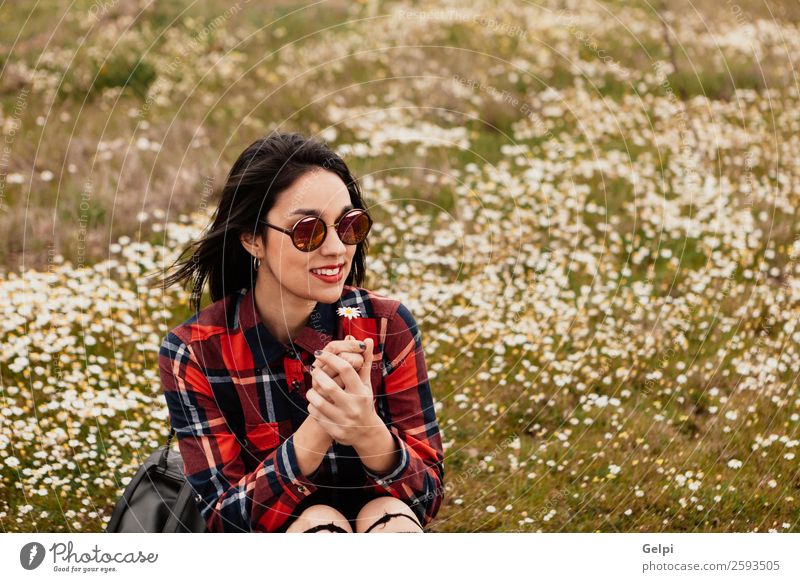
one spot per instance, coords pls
(332, 245)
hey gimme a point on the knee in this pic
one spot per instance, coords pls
(319, 515)
(388, 515)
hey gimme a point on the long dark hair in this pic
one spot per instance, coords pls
(266, 168)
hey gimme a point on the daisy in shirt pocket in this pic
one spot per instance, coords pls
(262, 436)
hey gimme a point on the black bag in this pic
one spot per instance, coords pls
(158, 498)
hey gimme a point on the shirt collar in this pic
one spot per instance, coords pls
(319, 330)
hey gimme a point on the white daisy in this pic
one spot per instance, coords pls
(348, 312)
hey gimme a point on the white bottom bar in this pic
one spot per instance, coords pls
(402, 557)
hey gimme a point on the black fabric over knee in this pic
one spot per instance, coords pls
(387, 516)
(327, 526)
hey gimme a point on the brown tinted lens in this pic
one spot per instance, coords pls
(308, 234)
(353, 227)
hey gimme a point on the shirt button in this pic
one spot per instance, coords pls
(302, 488)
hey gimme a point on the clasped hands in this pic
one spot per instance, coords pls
(340, 398)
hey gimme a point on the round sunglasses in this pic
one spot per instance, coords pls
(309, 232)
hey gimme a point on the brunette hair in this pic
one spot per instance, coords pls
(266, 168)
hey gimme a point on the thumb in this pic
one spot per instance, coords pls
(365, 372)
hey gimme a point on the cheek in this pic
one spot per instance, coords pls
(296, 268)
(289, 263)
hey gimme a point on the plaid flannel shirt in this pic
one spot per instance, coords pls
(236, 395)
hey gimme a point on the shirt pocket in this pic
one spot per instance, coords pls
(262, 436)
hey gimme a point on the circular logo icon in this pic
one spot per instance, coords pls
(31, 555)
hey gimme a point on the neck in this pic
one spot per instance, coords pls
(283, 313)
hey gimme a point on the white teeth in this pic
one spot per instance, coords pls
(326, 271)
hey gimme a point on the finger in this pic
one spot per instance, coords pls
(327, 369)
(349, 345)
(364, 373)
(331, 373)
(355, 360)
(330, 394)
(349, 349)
(320, 391)
(345, 370)
(320, 403)
(327, 384)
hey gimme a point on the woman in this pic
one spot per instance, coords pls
(300, 399)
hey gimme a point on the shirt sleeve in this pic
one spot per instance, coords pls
(405, 404)
(229, 499)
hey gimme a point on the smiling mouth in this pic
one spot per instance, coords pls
(328, 272)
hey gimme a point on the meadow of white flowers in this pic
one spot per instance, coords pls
(602, 259)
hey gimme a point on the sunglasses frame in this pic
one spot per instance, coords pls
(290, 231)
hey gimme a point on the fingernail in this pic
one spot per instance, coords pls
(317, 352)
(362, 345)
(311, 367)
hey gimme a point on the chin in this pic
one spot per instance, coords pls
(332, 293)
(332, 290)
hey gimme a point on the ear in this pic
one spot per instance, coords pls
(253, 244)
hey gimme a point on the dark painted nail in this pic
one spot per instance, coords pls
(362, 345)
(311, 367)
(317, 352)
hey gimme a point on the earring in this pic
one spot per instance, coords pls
(256, 263)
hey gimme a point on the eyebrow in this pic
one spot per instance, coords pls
(307, 211)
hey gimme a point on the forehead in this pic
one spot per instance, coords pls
(317, 189)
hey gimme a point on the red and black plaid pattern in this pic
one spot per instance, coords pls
(236, 395)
